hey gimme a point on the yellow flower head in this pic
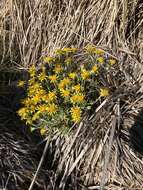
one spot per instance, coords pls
(31, 109)
(29, 121)
(112, 61)
(52, 96)
(31, 81)
(23, 113)
(53, 78)
(48, 59)
(35, 88)
(85, 74)
(42, 109)
(41, 92)
(104, 92)
(65, 93)
(42, 76)
(43, 131)
(58, 69)
(52, 109)
(66, 81)
(77, 98)
(75, 114)
(36, 99)
(21, 83)
(77, 88)
(36, 116)
(26, 101)
(72, 75)
(32, 71)
(45, 98)
(94, 69)
(100, 60)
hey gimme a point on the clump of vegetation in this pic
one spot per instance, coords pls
(65, 87)
(26, 27)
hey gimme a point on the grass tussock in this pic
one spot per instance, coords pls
(98, 153)
(27, 27)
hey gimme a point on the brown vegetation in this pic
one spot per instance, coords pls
(98, 152)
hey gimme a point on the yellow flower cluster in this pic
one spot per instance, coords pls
(85, 74)
(38, 102)
(21, 83)
(77, 88)
(72, 75)
(100, 60)
(63, 86)
(75, 113)
(104, 92)
(42, 76)
(94, 69)
(53, 78)
(65, 93)
(52, 108)
(32, 71)
(77, 98)
(43, 131)
(64, 82)
(112, 61)
(51, 96)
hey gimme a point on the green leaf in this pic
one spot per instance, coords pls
(32, 129)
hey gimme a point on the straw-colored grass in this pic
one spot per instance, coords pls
(27, 27)
(98, 154)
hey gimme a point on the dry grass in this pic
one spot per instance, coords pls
(98, 153)
(18, 155)
(27, 27)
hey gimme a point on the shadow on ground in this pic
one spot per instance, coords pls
(136, 134)
(19, 156)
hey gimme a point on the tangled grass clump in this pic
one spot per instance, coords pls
(97, 153)
(65, 87)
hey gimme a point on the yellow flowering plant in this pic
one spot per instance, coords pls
(59, 93)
